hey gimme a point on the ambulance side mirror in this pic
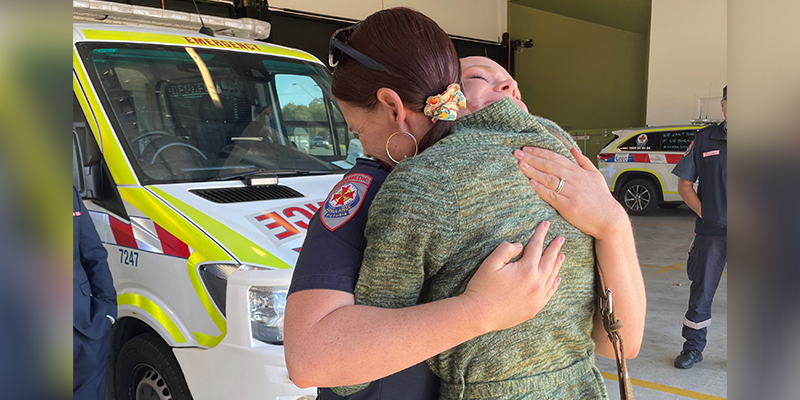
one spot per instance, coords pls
(77, 164)
(85, 178)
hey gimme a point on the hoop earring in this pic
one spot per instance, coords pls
(416, 147)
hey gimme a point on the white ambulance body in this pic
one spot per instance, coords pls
(638, 163)
(192, 154)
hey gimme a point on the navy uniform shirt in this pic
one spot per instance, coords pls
(331, 258)
(334, 245)
(706, 161)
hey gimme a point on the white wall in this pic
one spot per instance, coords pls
(688, 56)
(478, 19)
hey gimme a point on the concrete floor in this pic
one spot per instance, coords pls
(662, 243)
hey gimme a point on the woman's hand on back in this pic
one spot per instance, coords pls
(584, 200)
(586, 203)
(502, 295)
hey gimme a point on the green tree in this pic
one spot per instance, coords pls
(314, 111)
(295, 112)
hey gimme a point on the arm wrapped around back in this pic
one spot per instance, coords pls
(440, 214)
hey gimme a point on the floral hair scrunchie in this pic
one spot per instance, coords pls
(445, 106)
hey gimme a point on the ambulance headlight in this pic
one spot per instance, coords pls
(267, 309)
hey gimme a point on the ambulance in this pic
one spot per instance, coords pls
(637, 166)
(199, 161)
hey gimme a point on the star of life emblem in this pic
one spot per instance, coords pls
(345, 196)
(344, 200)
(641, 141)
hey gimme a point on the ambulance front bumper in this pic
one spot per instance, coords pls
(241, 367)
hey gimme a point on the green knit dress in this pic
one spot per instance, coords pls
(435, 220)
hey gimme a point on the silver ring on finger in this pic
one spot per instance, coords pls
(560, 185)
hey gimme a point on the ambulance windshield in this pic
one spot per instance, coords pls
(189, 114)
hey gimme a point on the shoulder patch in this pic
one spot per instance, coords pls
(688, 149)
(344, 200)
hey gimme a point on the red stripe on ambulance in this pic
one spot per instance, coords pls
(170, 244)
(123, 233)
(673, 158)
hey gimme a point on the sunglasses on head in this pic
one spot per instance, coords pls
(338, 45)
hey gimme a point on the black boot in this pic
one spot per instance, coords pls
(688, 358)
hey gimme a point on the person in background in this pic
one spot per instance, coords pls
(705, 161)
(94, 306)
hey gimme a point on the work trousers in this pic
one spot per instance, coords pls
(89, 358)
(707, 259)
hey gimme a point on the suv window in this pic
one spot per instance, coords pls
(676, 141)
(649, 141)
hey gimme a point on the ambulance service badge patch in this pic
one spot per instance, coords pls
(641, 141)
(688, 149)
(344, 200)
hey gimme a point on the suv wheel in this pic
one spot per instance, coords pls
(639, 197)
(146, 369)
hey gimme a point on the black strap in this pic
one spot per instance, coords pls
(612, 326)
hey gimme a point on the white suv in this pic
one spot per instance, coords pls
(638, 165)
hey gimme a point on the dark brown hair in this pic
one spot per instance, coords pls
(419, 56)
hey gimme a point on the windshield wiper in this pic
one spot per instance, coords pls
(276, 173)
(238, 174)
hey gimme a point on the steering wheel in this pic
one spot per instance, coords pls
(160, 149)
(148, 134)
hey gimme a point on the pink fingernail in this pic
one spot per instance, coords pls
(558, 280)
(524, 165)
(518, 154)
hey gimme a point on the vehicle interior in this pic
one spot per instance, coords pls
(189, 114)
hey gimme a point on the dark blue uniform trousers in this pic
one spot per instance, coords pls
(89, 366)
(707, 259)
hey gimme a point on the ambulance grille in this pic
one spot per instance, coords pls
(247, 193)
